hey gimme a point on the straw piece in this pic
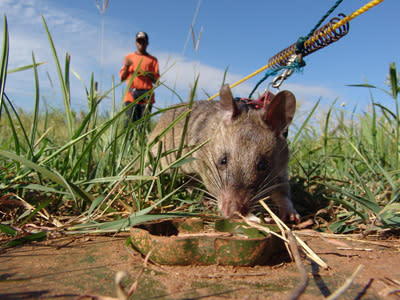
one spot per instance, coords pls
(307, 250)
(346, 285)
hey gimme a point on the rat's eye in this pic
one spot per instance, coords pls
(223, 161)
(262, 165)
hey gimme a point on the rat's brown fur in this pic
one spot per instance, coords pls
(246, 157)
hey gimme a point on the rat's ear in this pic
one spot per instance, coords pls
(228, 106)
(280, 111)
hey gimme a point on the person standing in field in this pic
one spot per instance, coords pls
(147, 73)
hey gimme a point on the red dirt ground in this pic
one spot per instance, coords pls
(72, 267)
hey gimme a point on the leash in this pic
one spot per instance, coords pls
(291, 58)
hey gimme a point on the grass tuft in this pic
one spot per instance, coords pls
(91, 176)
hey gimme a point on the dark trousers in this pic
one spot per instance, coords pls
(137, 111)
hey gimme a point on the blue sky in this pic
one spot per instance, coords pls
(238, 35)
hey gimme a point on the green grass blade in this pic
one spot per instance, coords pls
(182, 158)
(55, 177)
(63, 82)
(35, 110)
(114, 179)
(394, 83)
(17, 143)
(24, 68)
(326, 127)
(8, 230)
(169, 127)
(54, 155)
(13, 130)
(113, 133)
(394, 80)
(366, 85)
(66, 77)
(347, 203)
(42, 188)
(4, 62)
(39, 236)
(387, 176)
(124, 224)
(362, 157)
(42, 205)
(370, 202)
(304, 124)
(65, 147)
(386, 110)
(88, 147)
(374, 128)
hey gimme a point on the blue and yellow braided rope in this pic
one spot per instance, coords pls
(308, 42)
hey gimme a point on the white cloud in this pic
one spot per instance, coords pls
(79, 35)
(305, 91)
(182, 73)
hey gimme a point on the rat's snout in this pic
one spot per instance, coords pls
(231, 201)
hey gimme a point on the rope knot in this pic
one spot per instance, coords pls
(300, 45)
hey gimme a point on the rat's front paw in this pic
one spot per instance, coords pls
(289, 214)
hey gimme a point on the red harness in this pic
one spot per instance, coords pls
(260, 103)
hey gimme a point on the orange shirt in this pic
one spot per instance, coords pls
(148, 66)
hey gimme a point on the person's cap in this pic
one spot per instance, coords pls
(142, 35)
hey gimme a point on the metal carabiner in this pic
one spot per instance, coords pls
(278, 80)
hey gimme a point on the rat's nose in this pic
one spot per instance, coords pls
(232, 202)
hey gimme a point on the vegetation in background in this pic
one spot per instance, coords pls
(351, 163)
(90, 177)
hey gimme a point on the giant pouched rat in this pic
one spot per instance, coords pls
(247, 155)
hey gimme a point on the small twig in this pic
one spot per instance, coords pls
(391, 287)
(205, 234)
(307, 250)
(261, 228)
(109, 196)
(290, 240)
(231, 275)
(355, 249)
(66, 244)
(350, 237)
(386, 244)
(396, 291)
(121, 293)
(134, 285)
(296, 293)
(281, 225)
(155, 266)
(346, 285)
(304, 224)
(6, 201)
(392, 281)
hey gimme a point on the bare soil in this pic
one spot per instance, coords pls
(85, 266)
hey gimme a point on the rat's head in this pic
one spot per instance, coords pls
(248, 153)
